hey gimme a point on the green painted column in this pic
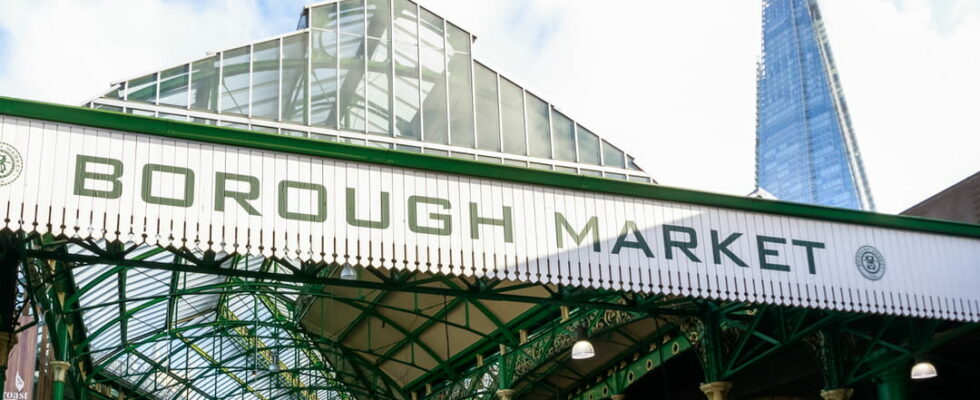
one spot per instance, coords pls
(59, 368)
(892, 383)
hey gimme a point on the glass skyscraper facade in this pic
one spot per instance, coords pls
(805, 147)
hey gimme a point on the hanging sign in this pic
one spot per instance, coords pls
(92, 183)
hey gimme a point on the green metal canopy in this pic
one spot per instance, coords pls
(172, 322)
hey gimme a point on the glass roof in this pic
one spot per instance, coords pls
(185, 335)
(167, 332)
(377, 72)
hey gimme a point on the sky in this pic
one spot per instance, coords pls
(671, 82)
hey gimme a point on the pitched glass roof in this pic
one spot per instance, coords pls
(377, 72)
(185, 335)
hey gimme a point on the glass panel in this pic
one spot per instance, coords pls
(467, 156)
(538, 135)
(512, 117)
(294, 66)
(325, 16)
(414, 149)
(379, 87)
(303, 22)
(631, 164)
(294, 133)
(640, 179)
(115, 93)
(352, 17)
(497, 160)
(436, 152)
(108, 107)
(434, 112)
(142, 89)
(147, 113)
(430, 30)
(569, 170)
(265, 80)
(588, 147)
(351, 102)
(173, 86)
(234, 81)
(204, 84)
(612, 156)
(458, 39)
(460, 100)
(233, 125)
(407, 121)
(563, 134)
(175, 117)
(615, 176)
(329, 138)
(406, 22)
(516, 162)
(380, 144)
(487, 110)
(266, 129)
(540, 166)
(323, 88)
(379, 18)
(590, 172)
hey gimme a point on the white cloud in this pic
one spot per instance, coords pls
(914, 93)
(671, 82)
(69, 51)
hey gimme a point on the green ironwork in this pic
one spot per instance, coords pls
(624, 373)
(831, 351)
(741, 334)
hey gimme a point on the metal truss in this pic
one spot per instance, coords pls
(256, 317)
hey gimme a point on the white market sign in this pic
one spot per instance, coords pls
(94, 183)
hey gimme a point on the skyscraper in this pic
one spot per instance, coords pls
(805, 146)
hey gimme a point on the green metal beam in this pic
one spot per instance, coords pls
(617, 379)
(585, 298)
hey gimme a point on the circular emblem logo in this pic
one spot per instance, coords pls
(870, 262)
(11, 164)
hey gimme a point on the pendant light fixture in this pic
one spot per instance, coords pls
(923, 369)
(348, 273)
(582, 349)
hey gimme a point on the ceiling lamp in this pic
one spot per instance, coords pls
(274, 363)
(583, 348)
(348, 273)
(923, 370)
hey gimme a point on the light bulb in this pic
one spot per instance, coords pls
(582, 349)
(923, 370)
(348, 273)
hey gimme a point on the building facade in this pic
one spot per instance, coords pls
(805, 146)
